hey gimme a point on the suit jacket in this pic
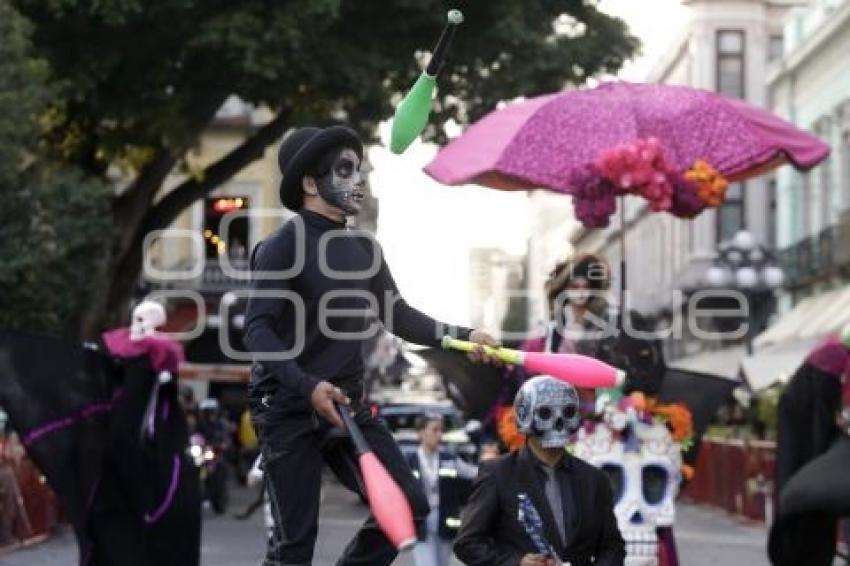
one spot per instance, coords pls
(491, 535)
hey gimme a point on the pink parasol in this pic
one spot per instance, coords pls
(678, 147)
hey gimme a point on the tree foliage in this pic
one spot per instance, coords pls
(139, 81)
(52, 220)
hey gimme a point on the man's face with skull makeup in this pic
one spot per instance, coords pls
(339, 180)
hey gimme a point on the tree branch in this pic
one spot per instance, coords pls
(167, 210)
(253, 148)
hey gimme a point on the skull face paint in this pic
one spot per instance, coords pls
(548, 409)
(341, 183)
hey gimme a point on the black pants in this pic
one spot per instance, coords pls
(296, 444)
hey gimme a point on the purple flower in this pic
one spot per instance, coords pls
(686, 202)
(594, 197)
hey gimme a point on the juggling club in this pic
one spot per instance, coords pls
(581, 371)
(412, 114)
(387, 501)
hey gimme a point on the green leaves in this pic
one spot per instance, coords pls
(53, 222)
(132, 72)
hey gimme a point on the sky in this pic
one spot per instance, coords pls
(428, 230)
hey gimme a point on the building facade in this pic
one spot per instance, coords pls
(810, 86)
(726, 46)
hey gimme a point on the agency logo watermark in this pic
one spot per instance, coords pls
(361, 300)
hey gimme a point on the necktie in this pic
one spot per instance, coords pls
(553, 495)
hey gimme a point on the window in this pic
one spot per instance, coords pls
(730, 63)
(730, 216)
(775, 47)
(238, 230)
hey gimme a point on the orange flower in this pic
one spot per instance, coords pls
(711, 185)
(508, 431)
(687, 472)
(677, 416)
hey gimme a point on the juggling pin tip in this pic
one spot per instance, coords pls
(446, 342)
(455, 17)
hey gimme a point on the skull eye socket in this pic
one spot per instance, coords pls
(569, 411)
(654, 481)
(616, 477)
(544, 413)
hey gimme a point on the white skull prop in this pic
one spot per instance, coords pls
(643, 464)
(147, 317)
(548, 409)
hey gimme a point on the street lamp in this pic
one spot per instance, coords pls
(748, 267)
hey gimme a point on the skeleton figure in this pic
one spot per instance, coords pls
(644, 466)
(547, 408)
(147, 317)
(340, 181)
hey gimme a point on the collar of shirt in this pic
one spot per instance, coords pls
(564, 464)
(320, 221)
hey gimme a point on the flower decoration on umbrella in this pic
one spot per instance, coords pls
(677, 147)
(640, 168)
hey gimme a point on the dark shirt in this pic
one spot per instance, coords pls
(350, 282)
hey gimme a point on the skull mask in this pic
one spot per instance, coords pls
(340, 181)
(643, 465)
(147, 316)
(547, 409)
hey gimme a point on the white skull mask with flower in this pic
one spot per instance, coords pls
(643, 463)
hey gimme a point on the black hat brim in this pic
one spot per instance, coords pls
(291, 191)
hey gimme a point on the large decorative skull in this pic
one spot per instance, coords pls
(147, 317)
(548, 409)
(643, 464)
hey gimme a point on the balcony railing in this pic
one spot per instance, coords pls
(815, 257)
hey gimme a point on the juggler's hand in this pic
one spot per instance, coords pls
(323, 397)
(479, 355)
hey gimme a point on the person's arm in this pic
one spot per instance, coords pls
(610, 548)
(263, 314)
(475, 544)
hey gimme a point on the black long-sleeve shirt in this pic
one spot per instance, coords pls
(316, 285)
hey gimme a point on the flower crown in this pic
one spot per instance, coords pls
(622, 416)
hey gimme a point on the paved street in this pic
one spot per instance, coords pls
(705, 538)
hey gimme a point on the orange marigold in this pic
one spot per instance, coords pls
(678, 418)
(711, 185)
(508, 432)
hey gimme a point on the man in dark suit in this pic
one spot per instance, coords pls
(572, 498)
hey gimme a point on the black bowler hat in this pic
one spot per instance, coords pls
(300, 150)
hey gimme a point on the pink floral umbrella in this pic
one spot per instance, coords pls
(677, 147)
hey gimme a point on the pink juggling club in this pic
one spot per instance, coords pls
(387, 501)
(581, 371)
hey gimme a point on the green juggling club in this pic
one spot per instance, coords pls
(412, 114)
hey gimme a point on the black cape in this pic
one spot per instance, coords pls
(804, 533)
(131, 500)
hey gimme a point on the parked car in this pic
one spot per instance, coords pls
(401, 420)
